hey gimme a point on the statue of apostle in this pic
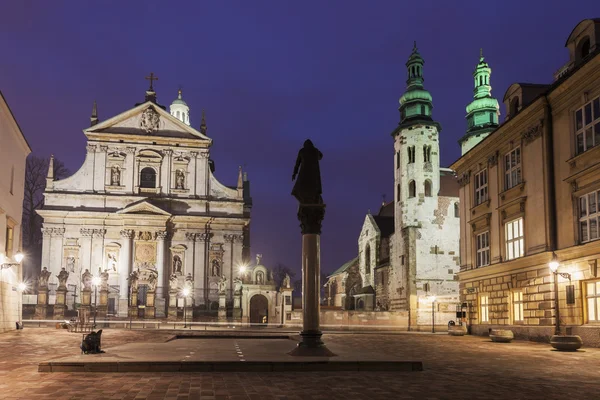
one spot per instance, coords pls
(86, 278)
(62, 276)
(115, 176)
(307, 189)
(222, 284)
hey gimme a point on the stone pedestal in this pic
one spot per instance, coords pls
(311, 345)
(237, 305)
(41, 308)
(86, 297)
(123, 307)
(102, 303)
(160, 304)
(172, 310)
(59, 306)
(222, 307)
(133, 312)
(59, 311)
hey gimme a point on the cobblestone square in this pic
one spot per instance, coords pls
(455, 367)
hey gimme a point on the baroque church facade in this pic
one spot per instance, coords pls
(146, 202)
(408, 253)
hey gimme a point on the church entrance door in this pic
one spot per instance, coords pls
(141, 300)
(259, 309)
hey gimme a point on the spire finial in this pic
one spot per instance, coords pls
(94, 117)
(240, 182)
(51, 168)
(179, 92)
(415, 46)
(481, 52)
(203, 124)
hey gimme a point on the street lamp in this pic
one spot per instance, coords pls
(243, 269)
(5, 261)
(553, 265)
(186, 293)
(432, 299)
(95, 281)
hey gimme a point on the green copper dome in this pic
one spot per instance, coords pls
(179, 100)
(416, 103)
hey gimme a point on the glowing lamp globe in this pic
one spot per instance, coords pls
(553, 264)
(19, 257)
(186, 292)
(22, 286)
(96, 281)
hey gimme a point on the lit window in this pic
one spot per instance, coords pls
(484, 312)
(588, 216)
(514, 239)
(483, 249)
(592, 296)
(481, 187)
(587, 125)
(517, 302)
(512, 168)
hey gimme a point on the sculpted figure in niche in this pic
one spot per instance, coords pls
(222, 285)
(112, 262)
(115, 176)
(86, 278)
(152, 279)
(173, 283)
(179, 179)
(43, 278)
(62, 276)
(71, 264)
(177, 264)
(216, 268)
(260, 278)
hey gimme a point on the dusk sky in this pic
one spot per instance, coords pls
(271, 74)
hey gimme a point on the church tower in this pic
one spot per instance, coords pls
(416, 145)
(483, 111)
(180, 110)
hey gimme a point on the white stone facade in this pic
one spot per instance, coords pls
(13, 152)
(145, 199)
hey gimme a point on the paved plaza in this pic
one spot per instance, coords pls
(454, 368)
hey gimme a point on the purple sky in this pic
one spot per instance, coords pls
(271, 74)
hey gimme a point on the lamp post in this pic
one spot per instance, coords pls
(186, 293)
(95, 281)
(553, 265)
(432, 298)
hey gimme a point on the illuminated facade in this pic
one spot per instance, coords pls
(531, 189)
(146, 200)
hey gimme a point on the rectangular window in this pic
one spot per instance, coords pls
(481, 187)
(12, 178)
(514, 239)
(9, 241)
(512, 168)
(288, 300)
(588, 216)
(484, 315)
(587, 126)
(592, 297)
(483, 249)
(517, 303)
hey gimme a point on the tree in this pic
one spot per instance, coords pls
(36, 170)
(279, 273)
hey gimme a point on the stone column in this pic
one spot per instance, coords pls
(159, 297)
(311, 216)
(124, 271)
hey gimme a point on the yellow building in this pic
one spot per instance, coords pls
(530, 194)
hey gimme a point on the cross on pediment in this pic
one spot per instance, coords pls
(151, 78)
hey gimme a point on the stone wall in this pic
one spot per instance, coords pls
(342, 319)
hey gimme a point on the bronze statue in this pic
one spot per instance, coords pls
(307, 189)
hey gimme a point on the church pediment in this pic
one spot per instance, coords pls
(147, 119)
(143, 207)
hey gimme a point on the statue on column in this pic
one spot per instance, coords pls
(222, 285)
(189, 281)
(307, 189)
(133, 281)
(173, 283)
(237, 285)
(86, 278)
(43, 278)
(62, 276)
(152, 279)
(104, 280)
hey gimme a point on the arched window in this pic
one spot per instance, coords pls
(178, 114)
(412, 189)
(514, 106)
(397, 159)
(427, 188)
(426, 153)
(411, 154)
(398, 192)
(584, 48)
(148, 178)
(456, 211)
(368, 259)
(422, 109)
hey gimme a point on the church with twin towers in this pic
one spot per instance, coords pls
(146, 202)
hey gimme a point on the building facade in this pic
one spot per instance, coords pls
(529, 194)
(13, 152)
(408, 254)
(146, 200)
